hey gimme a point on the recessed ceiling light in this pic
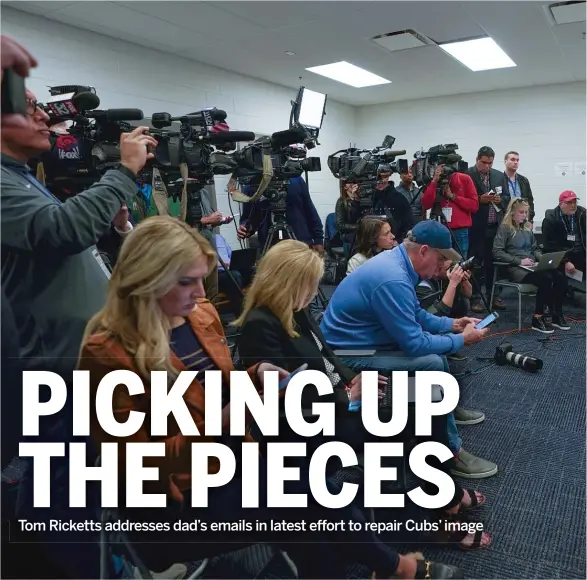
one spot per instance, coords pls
(290, 53)
(349, 74)
(479, 54)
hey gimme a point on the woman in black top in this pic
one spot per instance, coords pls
(348, 214)
(275, 328)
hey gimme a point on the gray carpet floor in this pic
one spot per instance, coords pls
(535, 431)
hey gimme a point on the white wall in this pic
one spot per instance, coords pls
(127, 75)
(546, 125)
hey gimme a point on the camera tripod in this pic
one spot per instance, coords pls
(438, 215)
(281, 228)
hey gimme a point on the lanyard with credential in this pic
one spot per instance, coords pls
(571, 223)
(514, 185)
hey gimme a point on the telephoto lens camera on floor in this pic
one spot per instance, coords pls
(504, 355)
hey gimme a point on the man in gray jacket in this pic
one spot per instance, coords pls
(52, 273)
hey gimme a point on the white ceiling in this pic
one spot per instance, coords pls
(251, 38)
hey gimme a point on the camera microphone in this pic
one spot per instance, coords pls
(287, 137)
(229, 137)
(391, 153)
(114, 115)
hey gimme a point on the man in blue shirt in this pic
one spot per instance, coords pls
(301, 215)
(376, 307)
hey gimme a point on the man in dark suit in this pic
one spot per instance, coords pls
(493, 201)
(515, 184)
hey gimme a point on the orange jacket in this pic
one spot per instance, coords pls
(102, 354)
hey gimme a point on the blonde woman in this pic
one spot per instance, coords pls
(276, 328)
(156, 318)
(515, 244)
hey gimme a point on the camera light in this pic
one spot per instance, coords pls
(479, 54)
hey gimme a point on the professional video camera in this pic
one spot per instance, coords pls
(424, 167)
(268, 164)
(504, 355)
(361, 166)
(93, 143)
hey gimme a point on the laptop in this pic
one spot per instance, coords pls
(243, 259)
(546, 262)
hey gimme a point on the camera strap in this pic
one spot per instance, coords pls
(266, 178)
(159, 193)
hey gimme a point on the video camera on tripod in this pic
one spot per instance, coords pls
(360, 166)
(270, 162)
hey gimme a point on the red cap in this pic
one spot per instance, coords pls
(567, 195)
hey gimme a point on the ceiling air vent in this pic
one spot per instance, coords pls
(402, 40)
(567, 12)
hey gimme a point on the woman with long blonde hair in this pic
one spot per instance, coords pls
(276, 327)
(157, 319)
(515, 245)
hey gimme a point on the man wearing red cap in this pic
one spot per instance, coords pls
(563, 229)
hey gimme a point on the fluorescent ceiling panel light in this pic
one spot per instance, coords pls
(349, 74)
(479, 54)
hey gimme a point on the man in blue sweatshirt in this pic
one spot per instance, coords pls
(301, 216)
(376, 307)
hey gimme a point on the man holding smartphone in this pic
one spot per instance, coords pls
(493, 202)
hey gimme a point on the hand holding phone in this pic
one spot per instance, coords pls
(490, 319)
(285, 382)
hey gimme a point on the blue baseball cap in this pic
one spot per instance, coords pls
(435, 235)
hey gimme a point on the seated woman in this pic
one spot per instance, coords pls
(348, 213)
(516, 245)
(275, 328)
(373, 236)
(156, 318)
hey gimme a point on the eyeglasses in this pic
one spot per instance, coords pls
(32, 106)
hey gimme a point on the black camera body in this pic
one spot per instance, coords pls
(426, 162)
(468, 264)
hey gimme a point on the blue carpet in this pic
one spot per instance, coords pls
(535, 431)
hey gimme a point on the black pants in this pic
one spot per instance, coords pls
(482, 248)
(578, 259)
(552, 286)
(225, 284)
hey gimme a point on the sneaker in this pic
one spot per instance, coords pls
(559, 321)
(457, 356)
(465, 417)
(539, 324)
(499, 304)
(478, 308)
(468, 466)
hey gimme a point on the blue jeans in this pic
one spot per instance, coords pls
(387, 361)
(462, 237)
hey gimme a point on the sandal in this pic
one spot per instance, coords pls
(476, 501)
(456, 536)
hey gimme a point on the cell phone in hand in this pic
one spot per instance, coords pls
(285, 382)
(490, 319)
(227, 219)
(13, 93)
